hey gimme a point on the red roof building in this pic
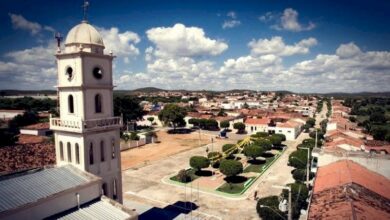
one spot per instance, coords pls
(347, 190)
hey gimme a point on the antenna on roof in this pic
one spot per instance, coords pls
(85, 8)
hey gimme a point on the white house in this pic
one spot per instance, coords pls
(254, 125)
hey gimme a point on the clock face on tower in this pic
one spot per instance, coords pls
(97, 72)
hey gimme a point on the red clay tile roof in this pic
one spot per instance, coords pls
(44, 125)
(346, 171)
(258, 121)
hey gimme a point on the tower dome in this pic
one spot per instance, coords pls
(85, 37)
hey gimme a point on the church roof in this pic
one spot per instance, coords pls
(84, 33)
(20, 189)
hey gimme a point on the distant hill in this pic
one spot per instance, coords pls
(11, 92)
(148, 90)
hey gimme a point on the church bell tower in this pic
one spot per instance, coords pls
(87, 133)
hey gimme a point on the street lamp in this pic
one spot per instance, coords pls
(289, 217)
(265, 206)
(307, 164)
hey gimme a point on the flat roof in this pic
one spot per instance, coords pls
(22, 188)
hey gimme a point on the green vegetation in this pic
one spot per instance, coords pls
(235, 188)
(253, 151)
(185, 176)
(240, 127)
(28, 104)
(299, 194)
(206, 124)
(128, 107)
(373, 114)
(258, 168)
(224, 124)
(199, 162)
(172, 115)
(268, 208)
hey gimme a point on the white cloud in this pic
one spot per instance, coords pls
(348, 50)
(182, 41)
(232, 14)
(230, 24)
(121, 43)
(19, 22)
(348, 70)
(288, 21)
(276, 46)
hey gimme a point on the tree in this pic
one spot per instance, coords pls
(183, 176)
(151, 119)
(264, 143)
(227, 147)
(379, 133)
(377, 117)
(199, 162)
(172, 114)
(193, 121)
(221, 112)
(320, 135)
(7, 138)
(240, 127)
(224, 124)
(352, 118)
(134, 136)
(276, 139)
(268, 208)
(245, 105)
(298, 159)
(253, 151)
(27, 118)
(128, 107)
(299, 194)
(260, 135)
(311, 122)
(230, 168)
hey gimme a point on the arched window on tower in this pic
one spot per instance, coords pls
(113, 148)
(115, 192)
(61, 151)
(69, 150)
(98, 103)
(102, 157)
(71, 104)
(77, 153)
(104, 189)
(91, 153)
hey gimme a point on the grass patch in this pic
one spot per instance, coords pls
(234, 188)
(257, 168)
(191, 174)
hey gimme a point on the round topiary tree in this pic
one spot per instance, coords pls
(230, 168)
(240, 127)
(264, 143)
(227, 147)
(199, 162)
(253, 151)
(224, 124)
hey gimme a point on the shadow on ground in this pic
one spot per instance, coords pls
(169, 212)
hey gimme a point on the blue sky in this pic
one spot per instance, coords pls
(262, 45)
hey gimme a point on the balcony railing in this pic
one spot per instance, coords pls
(84, 125)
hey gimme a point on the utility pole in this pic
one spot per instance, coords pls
(289, 216)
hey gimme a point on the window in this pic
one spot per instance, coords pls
(69, 149)
(102, 151)
(77, 154)
(104, 189)
(115, 193)
(97, 73)
(70, 104)
(113, 148)
(91, 153)
(98, 103)
(61, 151)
